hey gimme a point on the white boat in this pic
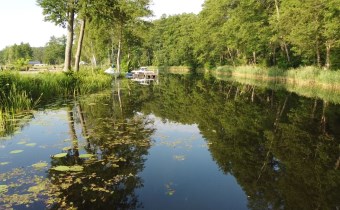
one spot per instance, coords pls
(143, 73)
(142, 69)
(110, 71)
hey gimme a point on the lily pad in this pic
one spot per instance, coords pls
(179, 157)
(66, 148)
(61, 168)
(40, 165)
(37, 189)
(3, 189)
(68, 168)
(16, 151)
(31, 144)
(86, 155)
(60, 155)
(4, 163)
(76, 168)
(22, 142)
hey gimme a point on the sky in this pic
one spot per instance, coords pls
(22, 20)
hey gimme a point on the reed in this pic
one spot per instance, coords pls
(307, 81)
(23, 91)
(308, 74)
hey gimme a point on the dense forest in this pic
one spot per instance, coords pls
(286, 34)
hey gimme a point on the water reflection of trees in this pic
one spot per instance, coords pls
(119, 140)
(282, 149)
(11, 123)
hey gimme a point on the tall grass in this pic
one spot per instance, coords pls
(306, 81)
(22, 91)
(308, 74)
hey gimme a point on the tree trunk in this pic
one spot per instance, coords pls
(323, 122)
(318, 55)
(254, 57)
(328, 55)
(277, 9)
(287, 51)
(119, 48)
(231, 56)
(118, 55)
(253, 94)
(69, 42)
(73, 135)
(80, 44)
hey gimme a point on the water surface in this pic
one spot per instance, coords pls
(184, 143)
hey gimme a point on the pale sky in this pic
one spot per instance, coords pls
(22, 20)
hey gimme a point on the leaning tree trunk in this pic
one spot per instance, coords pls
(80, 44)
(68, 49)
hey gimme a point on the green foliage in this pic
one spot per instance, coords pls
(11, 54)
(54, 51)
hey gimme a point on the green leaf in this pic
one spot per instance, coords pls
(16, 151)
(86, 155)
(66, 148)
(76, 168)
(4, 163)
(61, 168)
(31, 144)
(3, 189)
(60, 155)
(40, 165)
(37, 189)
(68, 168)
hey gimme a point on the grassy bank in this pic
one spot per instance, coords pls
(22, 92)
(306, 81)
(172, 69)
(304, 75)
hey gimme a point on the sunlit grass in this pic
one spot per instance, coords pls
(308, 81)
(23, 91)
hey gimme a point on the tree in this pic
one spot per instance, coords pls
(112, 23)
(62, 13)
(54, 52)
(331, 28)
(15, 52)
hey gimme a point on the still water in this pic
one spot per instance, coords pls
(186, 142)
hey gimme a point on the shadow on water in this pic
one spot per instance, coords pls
(282, 149)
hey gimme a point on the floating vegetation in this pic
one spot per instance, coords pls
(22, 142)
(86, 155)
(31, 144)
(169, 189)
(40, 165)
(3, 189)
(66, 148)
(16, 151)
(75, 168)
(60, 155)
(4, 163)
(179, 157)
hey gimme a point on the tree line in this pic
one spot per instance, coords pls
(20, 54)
(286, 34)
